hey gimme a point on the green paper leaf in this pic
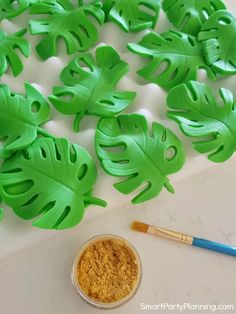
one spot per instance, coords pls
(189, 15)
(19, 118)
(71, 23)
(145, 157)
(8, 51)
(50, 180)
(10, 9)
(175, 58)
(200, 114)
(218, 35)
(90, 86)
(132, 15)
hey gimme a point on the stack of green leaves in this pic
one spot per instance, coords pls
(41, 175)
(51, 180)
(205, 40)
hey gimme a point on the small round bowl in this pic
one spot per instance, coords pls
(75, 280)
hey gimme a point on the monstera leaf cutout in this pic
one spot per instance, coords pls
(132, 15)
(144, 157)
(20, 117)
(189, 15)
(179, 53)
(11, 8)
(90, 86)
(51, 180)
(8, 51)
(200, 114)
(71, 23)
(218, 35)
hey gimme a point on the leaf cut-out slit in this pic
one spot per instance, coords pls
(18, 188)
(31, 200)
(63, 216)
(82, 172)
(170, 153)
(35, 106)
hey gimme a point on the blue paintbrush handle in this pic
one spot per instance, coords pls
(214, 246)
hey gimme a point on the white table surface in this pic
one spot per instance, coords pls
(35, 264)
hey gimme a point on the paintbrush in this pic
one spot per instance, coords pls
(184, 238)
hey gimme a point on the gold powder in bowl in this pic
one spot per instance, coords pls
(107, 271)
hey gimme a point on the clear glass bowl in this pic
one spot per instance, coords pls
(75, 280)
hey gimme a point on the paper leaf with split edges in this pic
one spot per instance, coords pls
(200, 115)
(64, 20)
(189, 15)
(51, 182)
(181, 55)
(9, 46)
(144, 156)
(12, 8)
(132, 15)
(20, 117)
(90, 86)
(218, 36)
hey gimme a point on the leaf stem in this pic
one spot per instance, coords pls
(77, 120)
(95, 201)
(45, 133)
(168, 185)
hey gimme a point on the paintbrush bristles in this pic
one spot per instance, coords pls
(140, 226)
